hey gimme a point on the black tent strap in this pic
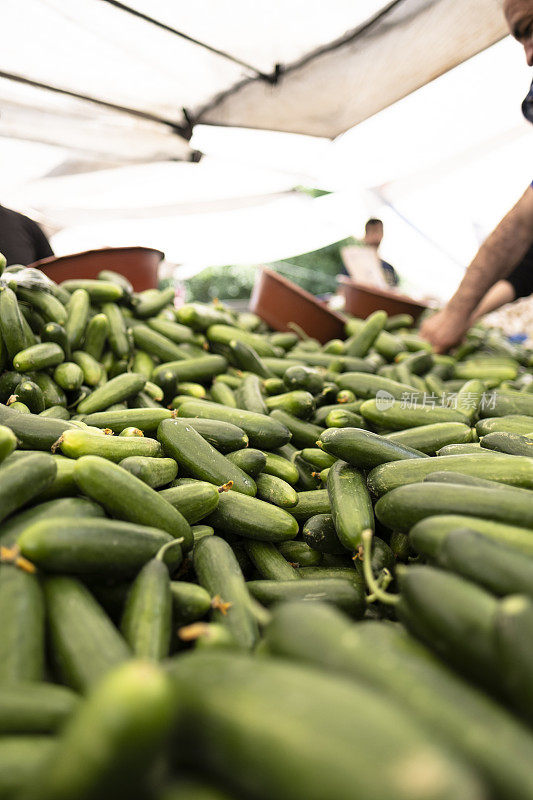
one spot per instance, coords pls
(183, 130)
(128, 9)
(284, 69)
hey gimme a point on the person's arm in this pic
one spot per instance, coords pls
(496, 258)
(498, 295)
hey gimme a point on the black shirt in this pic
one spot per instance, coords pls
(21, 239)
(521, 278)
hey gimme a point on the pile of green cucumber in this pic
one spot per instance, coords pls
(238, 564)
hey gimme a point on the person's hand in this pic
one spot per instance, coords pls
(444, 329)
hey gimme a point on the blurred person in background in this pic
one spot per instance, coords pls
(503, 267)
(373, 238)
(21, 240)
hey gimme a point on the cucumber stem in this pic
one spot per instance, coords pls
(159, 556)
(225, 487)
(376, 592)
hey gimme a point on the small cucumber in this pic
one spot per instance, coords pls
(152, 301)
(8, 442)
(298, 403)
(77, 443)
(194, 500)
(35, 707)
(198, 370)
(300, 554)
(190, 602)
(427, 535)
(117, 389)
(249, 396)
(249, 460)
(147, 619)
(98, 291)
(221, 393)
(251, 518)
(363, 448)
(319, 533)
(219, 573)
(311, 503)
(22, 615)
(96, 336)
(147, 419)
(262, 431)
(268, 560)
(304, 434)
(91, 369)
(116, 334)
(430, 438)
(155, 344)
(346, 595)
(343, 418)
(512, 423)
(199, 458)
(362, 341)
(351, 507)
(394, 415)
(515, 444)
(22, 482)
(279, 467)
(11, 323)
(44, 302)
(53, 395)
(276, 491)
(78, 315)
(128, 498)
(39, 356)
(155, 472)
(69, 376)
(366, 385)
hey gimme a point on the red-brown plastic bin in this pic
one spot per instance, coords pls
(139, 265)
(363, 300)
(279, 301)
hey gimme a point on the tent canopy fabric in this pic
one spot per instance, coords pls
(128, 81)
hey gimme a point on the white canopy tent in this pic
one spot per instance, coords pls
(128, 81)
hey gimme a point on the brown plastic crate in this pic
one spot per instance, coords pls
(363, 300)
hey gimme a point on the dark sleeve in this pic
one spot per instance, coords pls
(40, 242)
(521, 278)
(391, 276)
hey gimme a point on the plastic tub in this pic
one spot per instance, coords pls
(139, 265)
(363, 300)
(279, 301)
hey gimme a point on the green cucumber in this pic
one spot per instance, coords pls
(469, 397)
(22, 757)
(461, 630)
(91, 369)
(78, 316)
(8, 442)
(393, 414)
(22, 482)
(190, 602)
(77, 443)
(22, 614)
(98, 291)
(223, 436)
(39, 356)
(217, 686)
(192, 389)
(93, 546)
(180, 334)
(322, 412)
(251, 518)
(364, 449)
(143, 363)
(268, 560)
(351, 507)
(117, 389)
(31, 396)
(262, 431)
(198, 370)
(116, 333)
(199, 316)
(130, 714)
(221, 393)
(512, 470)
(467, 480)
(56, 412)
(249, 460)
(430, 438)
(147, 618)
(512, 423)
(461, 449)
(128, 498)
(489, 563)
(157, 345)
(155, 472)
(318, 458)
(366, 385)
(53, 332)
(427, 535)
(249, 397)
(147, 419)
(199, 458)
(344, 594)
(310, 503)
(386, 658)
(302, 377)
(35, 707)
(68, 376)
(514, 444)
(501, 404)
(276, 491)
(152, 301)
(96, 335)
(11, 323)
(85, 644)
(361, 342)
(297, 403)
(279, 467)
(304, 434)
(319, 533)
(48, 305)
(53, 395)
(194, 500)
(403, 507)
(61, 508)
(300, 554)
(248, 360)
(343, 418)
(224, 334)
(219, 573)
(513, 631)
